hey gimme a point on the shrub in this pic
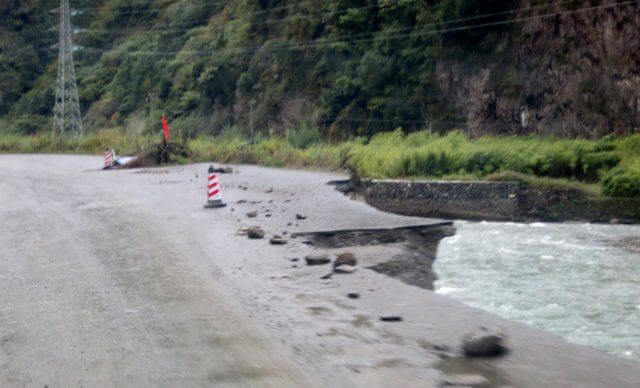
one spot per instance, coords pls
(622, 182)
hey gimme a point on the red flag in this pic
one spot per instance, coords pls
(165, 128)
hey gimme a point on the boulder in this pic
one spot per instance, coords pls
(484, 342)
(277, 240)
(346, 258)
(255, 233)
(317, 259)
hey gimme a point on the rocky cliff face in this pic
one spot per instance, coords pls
(575, 74)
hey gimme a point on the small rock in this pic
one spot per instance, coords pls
(242, 201)
(344, 269)
(289, 224)
(277, 240)
(512, 196)
(327, 276)
(252, 214)
(484, 343)
(301, 217)
(468, 380)
(391, 318)
(346, 258)
(295, 259)
(294, 266)
(269, 191)
(317, 259)
(267, 215)
(223, 170)
(353, 295)
(255, 233)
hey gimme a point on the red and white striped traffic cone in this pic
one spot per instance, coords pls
(108, 162)
(215, 198)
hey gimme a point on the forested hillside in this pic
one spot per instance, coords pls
(336, 68)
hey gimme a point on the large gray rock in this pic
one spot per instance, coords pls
(317, 259)
(484, 342)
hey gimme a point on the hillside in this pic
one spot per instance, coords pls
(336, 67)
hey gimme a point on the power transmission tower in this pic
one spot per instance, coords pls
(66, 113)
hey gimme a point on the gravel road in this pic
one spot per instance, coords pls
(121, 278)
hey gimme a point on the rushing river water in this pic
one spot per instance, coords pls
(573, 280)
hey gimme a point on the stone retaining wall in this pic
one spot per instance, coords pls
(497, 201)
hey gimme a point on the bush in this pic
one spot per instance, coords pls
(622, 182)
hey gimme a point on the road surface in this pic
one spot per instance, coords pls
(121, 278)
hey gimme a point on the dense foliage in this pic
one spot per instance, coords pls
(339, 67)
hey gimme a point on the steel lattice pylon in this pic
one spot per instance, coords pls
(66, 113)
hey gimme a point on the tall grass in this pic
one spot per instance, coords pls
(614, 163)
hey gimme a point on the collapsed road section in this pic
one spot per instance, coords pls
(406, 252)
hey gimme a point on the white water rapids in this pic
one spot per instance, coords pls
(573, 280)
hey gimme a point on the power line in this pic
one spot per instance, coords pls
(316, 43)
(209, 4)
(196, 24)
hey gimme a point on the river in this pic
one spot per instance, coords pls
(573, 280)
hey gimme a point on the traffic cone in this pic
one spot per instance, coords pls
(108, 162)
(213, 192)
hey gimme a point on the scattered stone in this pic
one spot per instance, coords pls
(269, 191)
(512, 196)
(317, 259)
(344, 269)
(255, 233)
(353, 295)
(223, 170)
(294, 266)
(295, 259)
(252, 214)
(468, 380)
(301, 217)
(277, 240)
(289, 224)
(484, 342)
(285, 233)
(242, 201)
(346, 258)
(391, 318)
(267, 215)
(327, 276)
